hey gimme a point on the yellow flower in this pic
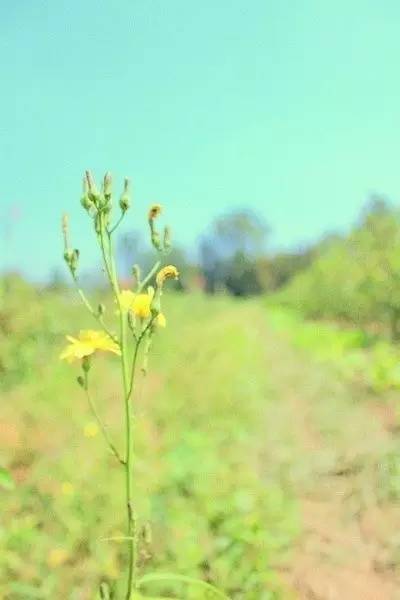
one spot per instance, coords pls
(57, 557)
(141, 305)
(90, 430)
(167, 272)
(87, 342)
(154, 211)
(126, 299)
(161, 321)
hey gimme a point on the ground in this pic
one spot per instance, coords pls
(258, 468)
(348, 535)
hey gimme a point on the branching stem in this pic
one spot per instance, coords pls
(102, 426)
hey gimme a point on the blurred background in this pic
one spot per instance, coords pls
(268, 132)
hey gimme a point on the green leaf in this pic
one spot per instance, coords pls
(6, 481)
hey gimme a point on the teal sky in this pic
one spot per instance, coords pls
(291, 107)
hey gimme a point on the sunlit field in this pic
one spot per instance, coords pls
(204, 480)
(261, 468)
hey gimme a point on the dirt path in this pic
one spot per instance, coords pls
(349, 547)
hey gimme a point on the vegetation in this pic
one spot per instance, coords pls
(201, 516)
(222, 469)
(355, 278)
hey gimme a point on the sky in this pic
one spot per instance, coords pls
(288, 107)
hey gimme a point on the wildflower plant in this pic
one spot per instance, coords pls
(140, 317)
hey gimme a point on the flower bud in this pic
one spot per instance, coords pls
(168, 272)
(81, 381)
(65, 223)
(154, 211)
(86, 364)
(85, 200)
(107, 186)
(124, 201)
(167, 239)
(155, 240)
(92, 189)
(101, 309)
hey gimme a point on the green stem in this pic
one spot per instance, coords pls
(148, 276)
(92, 311)
(127, 387)
(111, 231)
(100, 422)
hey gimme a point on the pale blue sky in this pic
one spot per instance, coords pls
(291, 107)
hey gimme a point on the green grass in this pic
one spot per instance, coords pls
(245, 412)
(203, 486)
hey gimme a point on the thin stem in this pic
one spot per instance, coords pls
(133, 368)
(131, 528)
(111, 231)
(100, 422)
(149, 276)
(92, 311)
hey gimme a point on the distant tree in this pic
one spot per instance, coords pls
(229, 253)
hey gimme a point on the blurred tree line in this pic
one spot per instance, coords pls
(353, 277)
(232, 257)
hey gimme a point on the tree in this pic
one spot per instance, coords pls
(230, 251)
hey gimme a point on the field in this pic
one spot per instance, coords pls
(261, 466)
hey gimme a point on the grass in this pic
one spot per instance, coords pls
(241, 423)
(202, 487)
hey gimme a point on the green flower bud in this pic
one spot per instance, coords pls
(71, 257)
(124, 201)
(101, 309)
(107, 186)
(81, 381)
(156, 305)
(68, 256)
(86, 364)
(85, 200)
(155, 240)
(167, 239)
(93, 192)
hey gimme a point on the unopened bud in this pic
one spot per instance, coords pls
(64, 223)
(107, 186)
(154, 211)
(81, 381)
(86, 364)
(92, 189)
(124, 201)
(167, 238)
(155, 240)
(101, 309)
(85, 200)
